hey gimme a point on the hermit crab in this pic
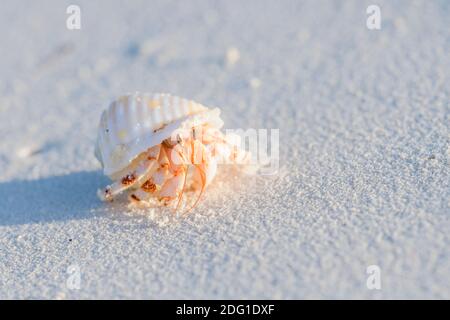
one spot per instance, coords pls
(157, 146)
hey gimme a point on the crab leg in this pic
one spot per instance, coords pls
(136, 177)
(173, 187)
(152, 185)
(205, 173)
(144, 192)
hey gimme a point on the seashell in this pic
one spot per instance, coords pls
(135, 122)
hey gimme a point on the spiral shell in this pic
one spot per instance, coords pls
(136, 122)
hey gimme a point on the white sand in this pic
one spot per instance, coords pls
(364, 178)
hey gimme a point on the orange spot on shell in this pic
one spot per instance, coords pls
(148, 186)
(128, 179)
(153, 104)
(134, 197)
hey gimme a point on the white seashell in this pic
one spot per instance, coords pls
(136, 122)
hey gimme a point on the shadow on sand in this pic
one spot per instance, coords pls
(58, 198)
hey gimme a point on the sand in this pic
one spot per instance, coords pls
(364, 150)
